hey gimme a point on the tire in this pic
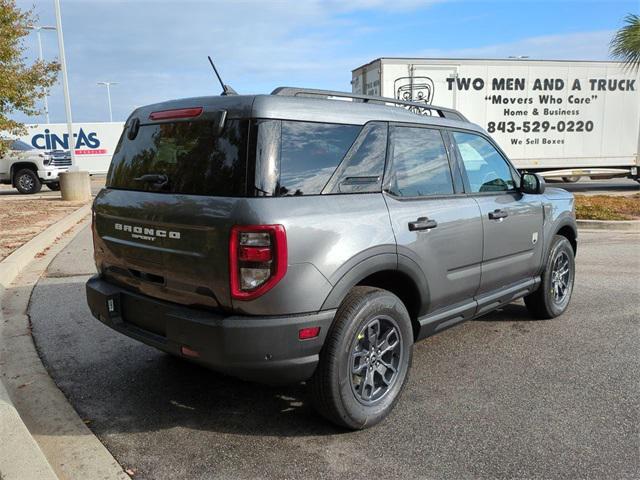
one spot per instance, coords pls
(53, 186)
(546, 302)
(26, 181)
(360, 400)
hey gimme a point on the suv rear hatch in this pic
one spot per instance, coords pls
(161, 225)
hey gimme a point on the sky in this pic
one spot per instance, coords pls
(157, 50)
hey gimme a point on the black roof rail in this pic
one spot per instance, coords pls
(414, 107)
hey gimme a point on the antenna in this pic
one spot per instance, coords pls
(226, 89)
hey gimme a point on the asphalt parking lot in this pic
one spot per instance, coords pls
(499, 397)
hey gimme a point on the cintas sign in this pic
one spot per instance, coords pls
(93, 143)
(85, 143)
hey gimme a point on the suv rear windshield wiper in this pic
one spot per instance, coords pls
(152, 178)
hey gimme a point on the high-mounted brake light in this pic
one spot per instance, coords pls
(176, 113)
(257, 259)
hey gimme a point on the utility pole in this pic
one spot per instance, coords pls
(41, 57)
(65, 84)
(108, 85)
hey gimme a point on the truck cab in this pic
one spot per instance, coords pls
(27, 168)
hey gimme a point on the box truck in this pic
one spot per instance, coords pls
(562, 119)
(94, 143)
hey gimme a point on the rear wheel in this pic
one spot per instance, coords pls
(553, 295)
(365, 361)
(27, 181)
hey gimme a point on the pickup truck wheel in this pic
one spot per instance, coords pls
(553, 295)
(27, 181)
(365, 360)
(53, 186)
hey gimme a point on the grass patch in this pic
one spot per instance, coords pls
(608, 207)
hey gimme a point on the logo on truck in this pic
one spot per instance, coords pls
(415, 89)
(84, 143)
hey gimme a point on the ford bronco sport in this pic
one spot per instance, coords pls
(298, 236)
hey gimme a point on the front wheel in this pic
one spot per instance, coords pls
(53, 186)
(365, 360)
(27, 181)
(552, 296)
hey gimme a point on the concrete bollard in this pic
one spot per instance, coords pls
(75, 186)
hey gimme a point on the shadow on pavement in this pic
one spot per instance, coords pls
(126, 386)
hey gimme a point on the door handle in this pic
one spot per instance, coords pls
(498, 214)
(422, 223)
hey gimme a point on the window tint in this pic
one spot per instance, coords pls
(420, 163)
(310, 152)
(20, 146)
(486, 169)
(187, 157)
(362, 169)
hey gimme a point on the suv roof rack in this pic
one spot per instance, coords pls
(414, 107)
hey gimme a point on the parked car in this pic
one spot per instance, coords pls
(27, 168)
(299, 237)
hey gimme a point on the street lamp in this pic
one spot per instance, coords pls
(40, 56)
(65, 83)
(108, 85)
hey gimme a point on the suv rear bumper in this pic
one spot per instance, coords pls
(263, 349)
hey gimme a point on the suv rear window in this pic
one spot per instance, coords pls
(193, 159)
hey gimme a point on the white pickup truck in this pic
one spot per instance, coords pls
(27, 168)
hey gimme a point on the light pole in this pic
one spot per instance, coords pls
(40, 56)
(65, 83)
(108, 85)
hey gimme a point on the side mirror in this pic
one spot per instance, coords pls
(532, 183)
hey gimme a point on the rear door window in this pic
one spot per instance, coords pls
(420, 165)
(310, 153)
(188, 158)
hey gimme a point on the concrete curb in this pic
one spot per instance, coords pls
(20, 454)
(11, 266)
(627, 225)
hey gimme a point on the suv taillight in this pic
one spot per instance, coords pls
(257, 259)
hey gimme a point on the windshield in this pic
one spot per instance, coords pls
(183, 157)
(20, 145)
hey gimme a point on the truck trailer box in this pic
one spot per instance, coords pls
(561, 118)
(94, 143)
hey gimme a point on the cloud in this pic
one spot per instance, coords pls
(157, 50)
(570, 46)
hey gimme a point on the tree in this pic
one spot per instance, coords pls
(625, 45)
(21, 84)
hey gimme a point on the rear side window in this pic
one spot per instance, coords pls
(310, 153)
(420, 165)
(185, 157)
(362, 168)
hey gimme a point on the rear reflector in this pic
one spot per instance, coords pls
(177, 113)
(187, 352)
(309, 332)
(255, 254)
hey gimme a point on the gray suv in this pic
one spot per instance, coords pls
(315, 236)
